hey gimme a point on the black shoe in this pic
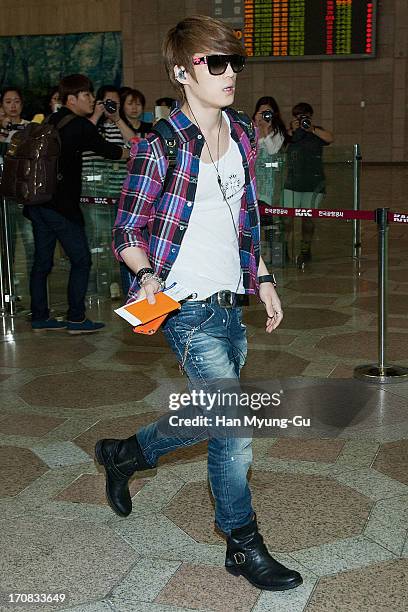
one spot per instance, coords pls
(121, 459)
(303, 258)
(84, 327)
(248, 556)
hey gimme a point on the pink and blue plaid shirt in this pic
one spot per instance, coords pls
(156, 222)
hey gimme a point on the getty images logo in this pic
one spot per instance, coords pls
(303, 212)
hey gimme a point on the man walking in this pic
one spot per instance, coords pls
(204, 235)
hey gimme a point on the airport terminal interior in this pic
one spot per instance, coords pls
(332, 503)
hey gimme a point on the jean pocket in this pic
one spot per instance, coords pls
(239, 318)
(193, 317)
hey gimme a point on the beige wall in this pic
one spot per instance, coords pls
(335, 89)
(25, 17)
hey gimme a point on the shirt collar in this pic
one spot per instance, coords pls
(185, 128)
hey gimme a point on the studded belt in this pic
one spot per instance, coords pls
(223, 298)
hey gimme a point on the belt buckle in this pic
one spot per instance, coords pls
(225, 298)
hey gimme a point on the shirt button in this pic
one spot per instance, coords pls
(173, 250)
(189, 204)
(199, 137)
(182, 227)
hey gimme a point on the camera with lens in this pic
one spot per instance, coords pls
(305, 122)
(267, 115)
(110, 106)
(15, 127)
(11, 128)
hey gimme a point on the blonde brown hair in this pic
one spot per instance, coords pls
(193, 34)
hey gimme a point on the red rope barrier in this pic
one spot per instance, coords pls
(314, 213)
(319, 213)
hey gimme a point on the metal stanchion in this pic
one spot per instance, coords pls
(356, 200)
(2, 272)
(3, 289)
(381, 372)
(6, 265)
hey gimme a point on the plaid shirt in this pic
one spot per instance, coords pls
(156, 221)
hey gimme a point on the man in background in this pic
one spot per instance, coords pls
(62, 219)
(305, 183)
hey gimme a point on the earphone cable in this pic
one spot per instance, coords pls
(216, 166)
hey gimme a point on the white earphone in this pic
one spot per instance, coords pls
(181, 74)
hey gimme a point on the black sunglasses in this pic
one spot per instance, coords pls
(217, 64)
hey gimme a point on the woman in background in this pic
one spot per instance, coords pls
(53, 102)
(132, 104)
(272, 137)
(104, 178)
(272, 134)
(12, 103)
(107, 117)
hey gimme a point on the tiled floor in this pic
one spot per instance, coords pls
(333, 505)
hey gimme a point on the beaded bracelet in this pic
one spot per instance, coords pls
(142, 272)
(151, 276)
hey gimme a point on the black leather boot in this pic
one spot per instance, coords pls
(121, 459)
(248, 556)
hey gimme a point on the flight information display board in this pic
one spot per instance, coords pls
(302, 29)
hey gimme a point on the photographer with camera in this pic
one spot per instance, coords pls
(268, 120)
(110, 126)
(113, 129)
(272, 136)
(106, 116)
(305, 183)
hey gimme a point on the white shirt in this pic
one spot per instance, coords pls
(272, 143)
(208, 260)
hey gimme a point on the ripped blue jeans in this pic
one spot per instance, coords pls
(211, 343)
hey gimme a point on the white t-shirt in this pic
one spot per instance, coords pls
(208, 260)
(272, 143)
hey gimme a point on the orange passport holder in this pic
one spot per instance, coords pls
(146, 318)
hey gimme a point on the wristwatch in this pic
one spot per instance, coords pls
(267, 278)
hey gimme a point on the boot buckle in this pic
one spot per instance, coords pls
(239, 558)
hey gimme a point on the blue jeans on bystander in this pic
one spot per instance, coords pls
(48, 227)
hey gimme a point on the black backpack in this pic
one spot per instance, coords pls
(170, 142)
(30, 172)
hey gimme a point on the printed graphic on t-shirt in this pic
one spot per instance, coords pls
(231, 185)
